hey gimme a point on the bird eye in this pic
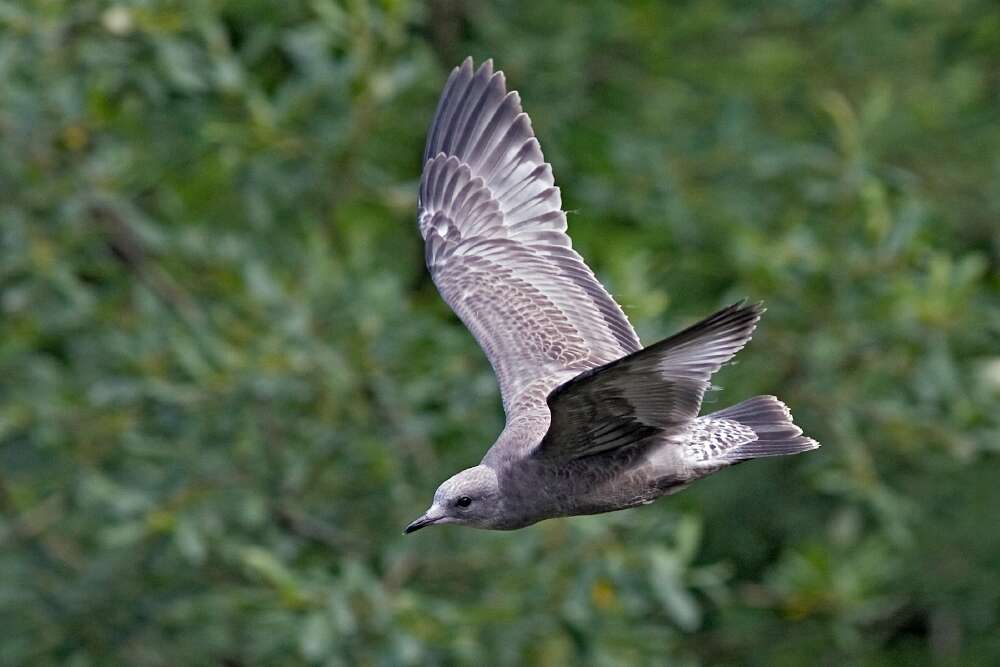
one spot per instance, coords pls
(464, 501)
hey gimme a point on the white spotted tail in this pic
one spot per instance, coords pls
(757, 427)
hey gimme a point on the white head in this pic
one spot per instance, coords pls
(471, 498)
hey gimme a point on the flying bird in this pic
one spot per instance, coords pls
(595, 422)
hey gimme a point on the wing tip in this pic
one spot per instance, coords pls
(742, 315)
(468, 64)
(461, 116)
(745, 305)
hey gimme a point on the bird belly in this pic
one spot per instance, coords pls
(613, 481)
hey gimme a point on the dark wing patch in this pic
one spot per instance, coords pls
(655, 390)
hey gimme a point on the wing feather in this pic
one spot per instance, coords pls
(497, 249)
(658, 390)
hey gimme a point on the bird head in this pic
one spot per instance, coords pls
(471, 498)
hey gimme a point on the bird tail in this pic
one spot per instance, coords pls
(770, 420)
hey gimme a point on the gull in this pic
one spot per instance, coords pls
(595, 422)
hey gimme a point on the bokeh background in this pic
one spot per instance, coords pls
(226, 381)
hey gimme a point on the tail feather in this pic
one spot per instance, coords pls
(770, 420)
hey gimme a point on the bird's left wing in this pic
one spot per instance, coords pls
(497, 249)
(657, 390)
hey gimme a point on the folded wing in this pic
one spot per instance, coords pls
(497, 249)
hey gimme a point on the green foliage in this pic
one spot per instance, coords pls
(226, 381)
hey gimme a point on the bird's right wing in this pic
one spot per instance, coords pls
(497, 249)
(657, 390)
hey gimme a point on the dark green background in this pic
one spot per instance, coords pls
(226, 381)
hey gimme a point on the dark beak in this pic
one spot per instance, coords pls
(419, 523)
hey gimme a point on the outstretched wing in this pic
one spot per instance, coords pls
(657, 390)
(496, 245)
